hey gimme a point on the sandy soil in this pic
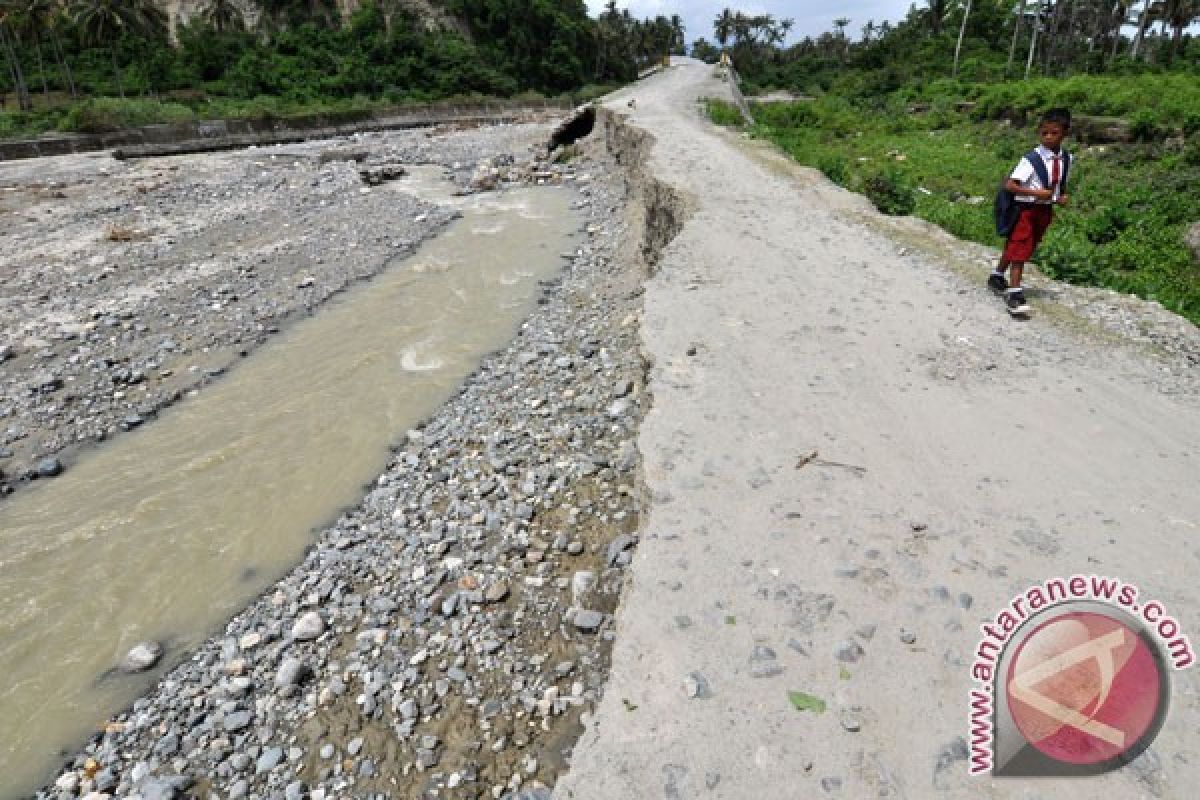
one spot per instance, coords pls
(855, 458)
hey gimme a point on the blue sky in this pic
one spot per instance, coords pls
(812, 18)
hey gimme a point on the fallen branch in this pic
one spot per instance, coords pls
(811, 458)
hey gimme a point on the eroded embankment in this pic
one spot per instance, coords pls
(656, 209)
(448, 634)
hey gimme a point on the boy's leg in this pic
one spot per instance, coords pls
(1014, 297)
(996, 280)
(1015, 271)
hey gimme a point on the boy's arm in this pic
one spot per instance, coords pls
(1015, 187)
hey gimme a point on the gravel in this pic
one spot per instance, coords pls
(446, 636)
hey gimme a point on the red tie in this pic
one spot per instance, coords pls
(1055, 171)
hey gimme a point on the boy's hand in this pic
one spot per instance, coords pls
(1064, 199)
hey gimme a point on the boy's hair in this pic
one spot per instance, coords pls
(1060, 116)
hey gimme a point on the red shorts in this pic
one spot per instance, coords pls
(1028, 232)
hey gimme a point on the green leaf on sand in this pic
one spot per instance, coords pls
(806, 702)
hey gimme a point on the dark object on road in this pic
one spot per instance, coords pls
(574, 129)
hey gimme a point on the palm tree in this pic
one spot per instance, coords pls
(224, 15)
(1012, 48)
(1181, 14)
(962, 30)
(9, 12)
(723, 27)
(49, 16)
(1037, 26)
(937, 12)
(1150, 10)
(677, 35)
(106, 21)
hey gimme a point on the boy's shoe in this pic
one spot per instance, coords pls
(1016, 302)
(996, 282)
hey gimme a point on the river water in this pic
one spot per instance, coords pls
(171, 529)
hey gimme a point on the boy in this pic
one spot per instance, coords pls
(1036, 201)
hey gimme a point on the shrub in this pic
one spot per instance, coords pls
(723, 113)
(891, 192)
(106, 114)
(1144, 126)
(834, 167)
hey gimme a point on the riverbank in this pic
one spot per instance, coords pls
(449, 633)
(133, 283)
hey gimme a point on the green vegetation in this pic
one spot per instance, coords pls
(928, 115)
(723, 113)
(61, 57)
(1130, 206)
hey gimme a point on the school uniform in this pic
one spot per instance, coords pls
(1035, 215)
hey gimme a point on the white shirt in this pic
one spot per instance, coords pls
(1027, 176)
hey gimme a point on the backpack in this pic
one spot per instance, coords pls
(1006, 209)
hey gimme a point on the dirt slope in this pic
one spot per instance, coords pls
(962, 457)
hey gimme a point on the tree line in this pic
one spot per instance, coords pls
(305, 49)
(980, 40)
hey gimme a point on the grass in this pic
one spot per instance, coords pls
(1131, 204)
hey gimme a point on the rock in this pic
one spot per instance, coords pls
(164, 789)
(496, 592)
(105, 780)
(851, 721)
(696, 685)
(617, 548)
(588, 621)
(848, 651)
(270, 758)
(142, 657)
(238, 720)
(49, 467)
(620, 407)
(292, 672)
(68, 782)
(309, 626)
(1191, 239)
(952, 753)
(582, 583)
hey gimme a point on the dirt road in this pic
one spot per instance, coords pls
(960, 457)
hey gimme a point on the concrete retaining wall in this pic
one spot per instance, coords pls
(206, 135)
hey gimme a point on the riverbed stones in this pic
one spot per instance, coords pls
(309, 626)
(49, 468)
(292, 672)
(588, 621)
(509, 507)
(142, 657)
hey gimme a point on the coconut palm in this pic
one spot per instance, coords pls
(937, 13)
(49, 16)
(723, 27)
(106, 21)
(678, 35)
(1180, 14)
(1151, 10)
(10, 12)
(962, 30)
(1012, 48)
(224, 15)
